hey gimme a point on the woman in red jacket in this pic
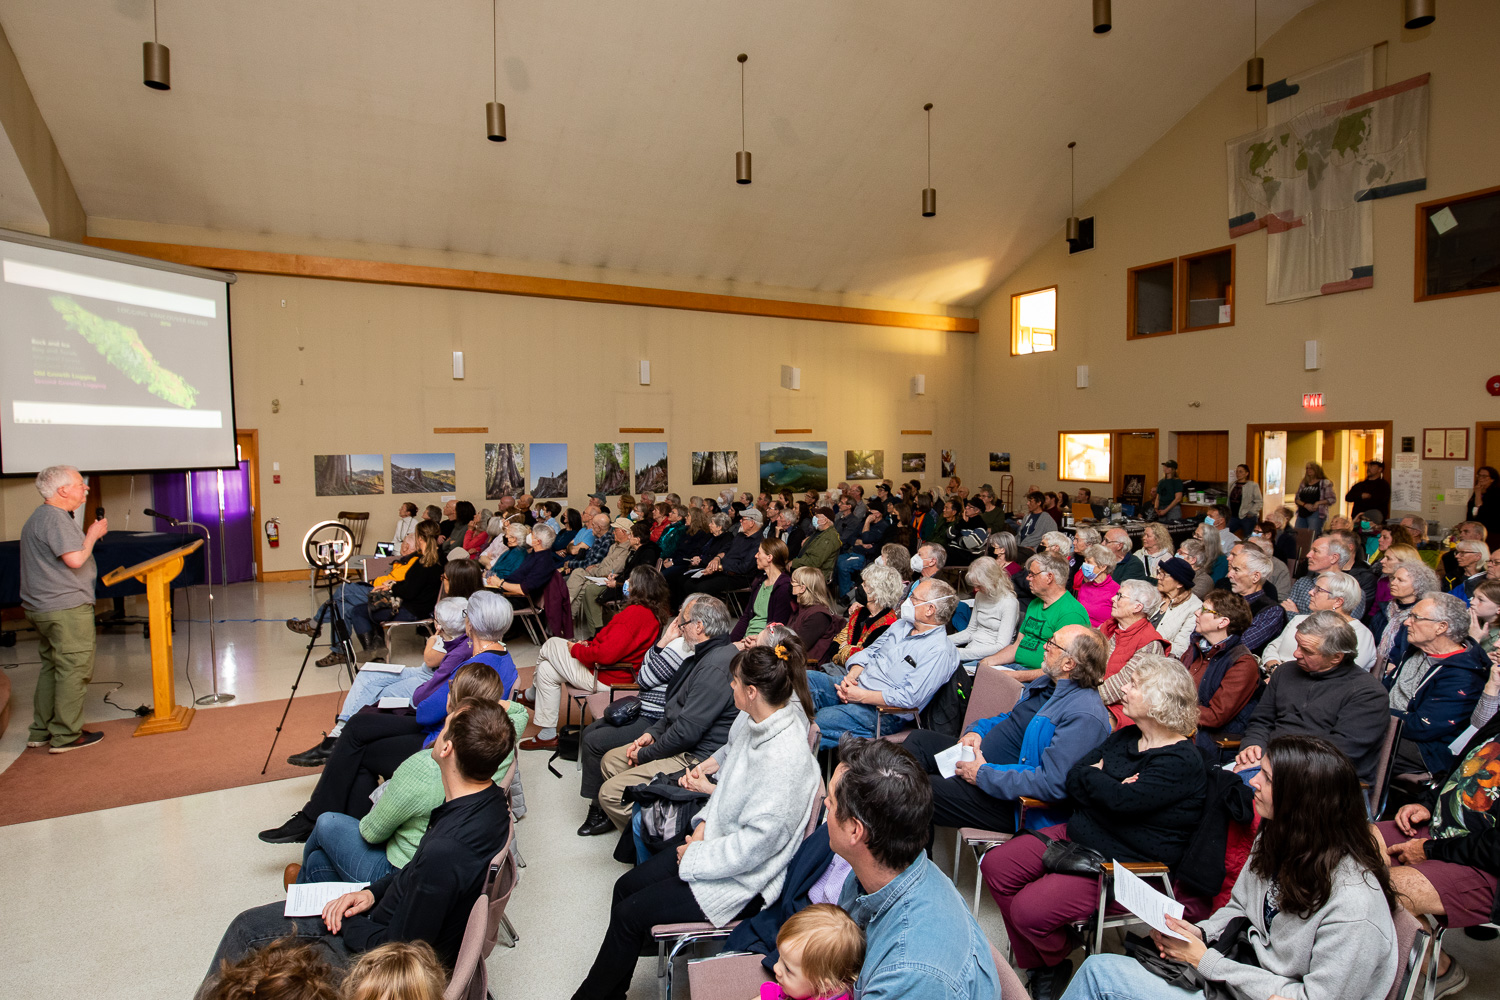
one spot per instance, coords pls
(612, 656)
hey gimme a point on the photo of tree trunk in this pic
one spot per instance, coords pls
(348, 475)
(504, 470)
(651, 466)
(424, 472)
(716, 468)
(611, 469)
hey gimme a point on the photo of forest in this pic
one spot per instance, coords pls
(611, 469)
(348, 475)
(504, 470)
(864, 465)
(716, 468)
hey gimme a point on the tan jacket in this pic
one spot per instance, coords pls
(612, 563)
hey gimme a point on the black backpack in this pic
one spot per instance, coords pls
(945, 712)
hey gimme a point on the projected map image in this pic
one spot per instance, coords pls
(122, 347)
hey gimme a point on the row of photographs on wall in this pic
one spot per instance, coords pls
(619, 467)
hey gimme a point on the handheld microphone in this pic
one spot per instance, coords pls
(157, 514)
(98, 513)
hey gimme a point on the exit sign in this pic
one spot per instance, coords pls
(1312, 400)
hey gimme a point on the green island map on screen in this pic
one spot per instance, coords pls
(122, 347)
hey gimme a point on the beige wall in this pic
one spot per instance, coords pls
(1385, 357)
(368, 368)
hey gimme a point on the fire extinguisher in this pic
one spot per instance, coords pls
(273, 532)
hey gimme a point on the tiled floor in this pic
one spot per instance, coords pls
(130, 902)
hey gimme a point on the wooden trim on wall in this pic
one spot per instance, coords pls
(1184, 264)
(916, 432)
(460, 430)
(1481, 456)
(1254, 458)
(285, 576)
(380, 272)
(1130, 299)
(250, 453)
(645, 430)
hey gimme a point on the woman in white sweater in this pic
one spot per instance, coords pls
(737, 854)
(1316, 892)
(992, 626)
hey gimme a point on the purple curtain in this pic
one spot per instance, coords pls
(169, 495)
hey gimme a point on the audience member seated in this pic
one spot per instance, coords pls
(409, 599)
(1117, 540)
(374, 743)
(1327, 553)
(1138, 796)
(692, 539)
(1248, 571)
(1448, 567)
(813, 615)
(1409, 582)
(1333, 590)
(992, 624)
(696, 714)
(964, 537)
(1435, 689)
(1316, 894)
(927, 563)
(1059, 545)
(1444, 849)
(770, 592)
(536, 569)
(367, 846)
(406, 522)
(879, 817)
(821, 551)
(476, 537)
(865, 547)
(1036, 523)
(1093, 584)
(590, 546)
(903, 669)
(1052, 608)
(1028, 750)
(1325, 696)
(642, 551)
(1001, 546)
(283, 969)
(1175, 618)
(400, 970)
(457, 516)
(588, 612)
(613, 656)
(743, 839)
(1129, 636)
(1281, 577)
(1484, 617)
(733, 567)
(1473, 558)
(503, 556)
(1156, 545)
(1217, 519)
(430, 898)
(1223, 669)
(1193, 552)
(883, 592)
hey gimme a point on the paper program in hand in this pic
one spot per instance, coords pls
(1132, 892)
(307, 899)
(947, 761)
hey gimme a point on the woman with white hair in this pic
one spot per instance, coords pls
(536, 569)
(1138, 797)
(1473, 559)
(1131, 638)
(884, 588)
(1093, 584)
(1409, 581)
(1335, 591)
(504, 555)
(992, 625)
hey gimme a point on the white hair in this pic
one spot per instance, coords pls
(544, 534)
(490, 615)
(1142, 593)
(1345, 588)
(449, 616)
(1060, 539)
(53, 478)
(1256, 561)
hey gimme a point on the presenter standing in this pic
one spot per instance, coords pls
(57, 592)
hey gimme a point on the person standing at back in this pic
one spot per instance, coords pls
(57, 592)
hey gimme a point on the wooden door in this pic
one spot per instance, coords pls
(1486, 443)
(247, 443)
(1137, 457)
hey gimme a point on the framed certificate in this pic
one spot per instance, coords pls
(1445, 444)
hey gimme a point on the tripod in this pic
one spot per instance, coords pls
(342, 639)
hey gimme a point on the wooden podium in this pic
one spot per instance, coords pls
(157, 573)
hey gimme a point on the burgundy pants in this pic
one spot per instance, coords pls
(1037, 907)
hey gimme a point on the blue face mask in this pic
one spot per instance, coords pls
(1208, 519)
(1088, 571)
(626, 589)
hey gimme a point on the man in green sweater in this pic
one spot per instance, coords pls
(344, 849)
(1052, 608)
(821, 551)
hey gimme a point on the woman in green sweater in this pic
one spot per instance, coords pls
(344, 848)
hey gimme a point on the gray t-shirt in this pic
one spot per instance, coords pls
(1410, 677)
(47, 583)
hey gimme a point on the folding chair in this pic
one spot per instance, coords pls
(595, 702)
(531, 620)
(1429, 987)
(1011, 987)
(881, 711)
(486, 920)
(388, 630)
(1413, 944)
(729, 976)
(671, 939)
(1103, 919)
(1385, 766)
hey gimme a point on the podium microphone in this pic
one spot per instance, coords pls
(151, 513)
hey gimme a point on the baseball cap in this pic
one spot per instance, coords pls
(752, 514)
(622, 523)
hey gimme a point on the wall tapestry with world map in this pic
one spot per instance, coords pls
(1332, 146)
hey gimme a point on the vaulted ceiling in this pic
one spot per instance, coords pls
(364, 120)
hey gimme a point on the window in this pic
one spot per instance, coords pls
(1458, 245)
(1207, 290)
(1083, 457)
(1033, 321)
(1149, 303)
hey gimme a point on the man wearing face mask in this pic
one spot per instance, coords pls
(902, 669)
(821, 551)
(927, 563)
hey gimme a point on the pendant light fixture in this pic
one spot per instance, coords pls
(742, 158)
(1102, 19)
(494, 111)
(1070, 230)
(1419, 13)
(1255, 67)
(156, 59)
(929, 193)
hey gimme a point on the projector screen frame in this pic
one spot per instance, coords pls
(84, 250)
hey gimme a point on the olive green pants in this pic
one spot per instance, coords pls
(67, 651)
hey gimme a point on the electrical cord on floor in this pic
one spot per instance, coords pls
(141, 710)
(187, 663)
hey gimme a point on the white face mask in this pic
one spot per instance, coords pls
(916, 564)
(528, 538)
(909, 611)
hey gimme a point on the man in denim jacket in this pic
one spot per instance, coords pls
(920, 941)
